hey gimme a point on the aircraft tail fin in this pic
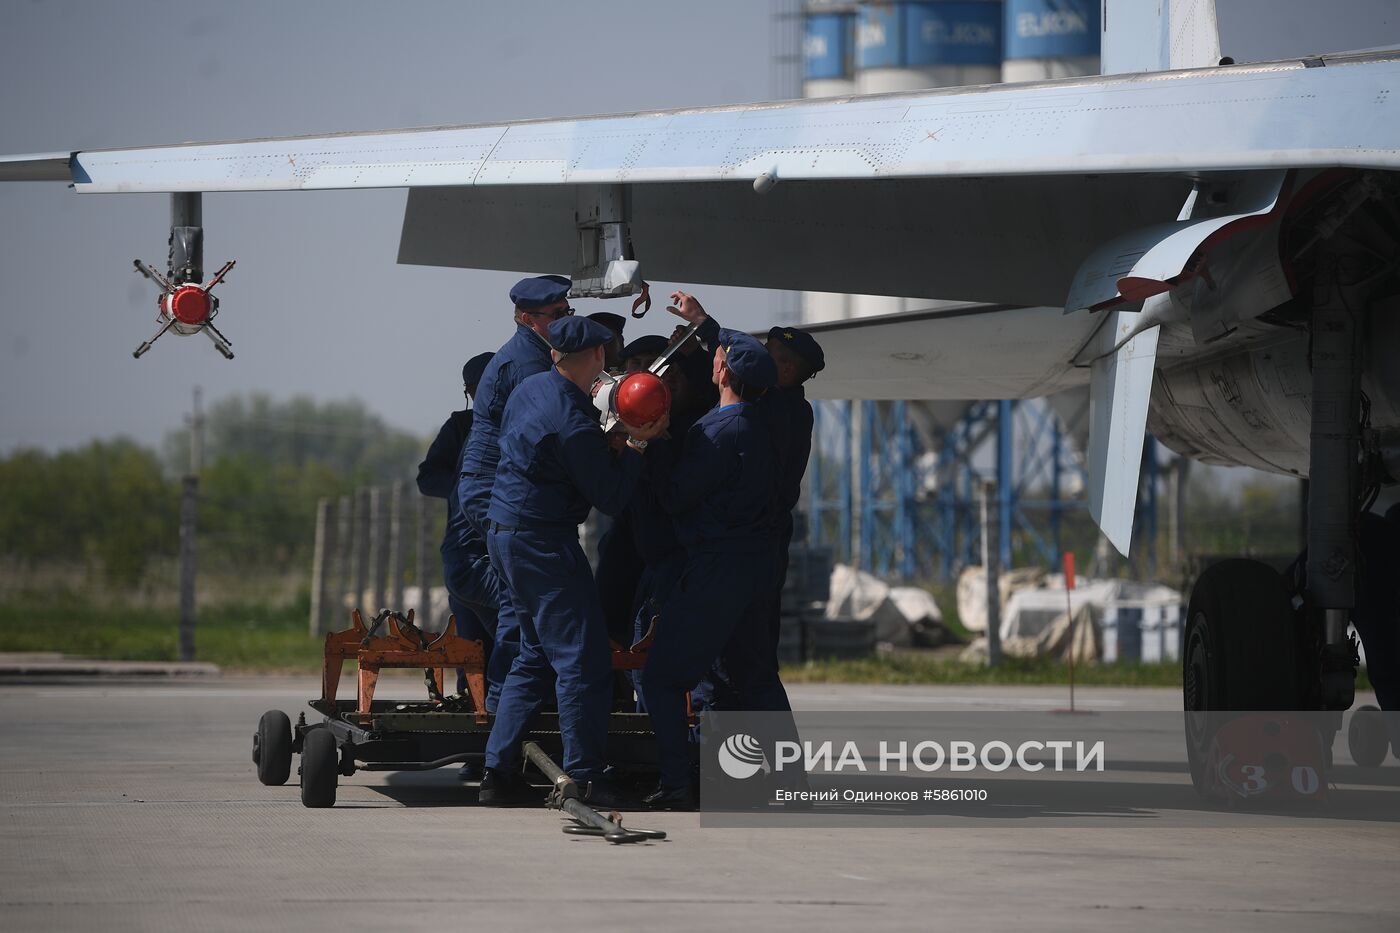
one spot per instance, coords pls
(1120, 387)
(1158, 35)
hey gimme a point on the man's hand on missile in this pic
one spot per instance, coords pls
(646, 432)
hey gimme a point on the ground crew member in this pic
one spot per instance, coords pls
(653, 530)
(470, 594)
(538, 301)
(554, 464)
(473, 595)
(720, 491)
(620, 567)
(798, 357)
(613, 348)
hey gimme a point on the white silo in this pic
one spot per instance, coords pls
(910, 45)
(1051, 39)
(828, 70)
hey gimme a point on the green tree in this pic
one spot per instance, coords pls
(344, 436)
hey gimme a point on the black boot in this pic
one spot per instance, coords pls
(604, 795)
(664, 798)
(505, 789)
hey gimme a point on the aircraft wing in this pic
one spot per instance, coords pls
(1008, 195)
(1330, 111)
(1006, 188)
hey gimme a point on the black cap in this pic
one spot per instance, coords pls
(801, 343)
(613, 322)
(471, 373)
(650, 345)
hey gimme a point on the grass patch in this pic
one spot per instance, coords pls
(917, 667)
(266, 639)
(254, 638)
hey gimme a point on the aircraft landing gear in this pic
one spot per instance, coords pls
(1241, 652)
(1255, 641)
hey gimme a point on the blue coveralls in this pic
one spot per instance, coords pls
(790, 420)
(471, 586)
(1377, 611)
(554, 464)
(522, 356)
(721, 494)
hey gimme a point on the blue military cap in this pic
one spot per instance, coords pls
(572, 334)
(650, 345)
(801, 343)
(471, 373)
(747, 359)
(539, 290)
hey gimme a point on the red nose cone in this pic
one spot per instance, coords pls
(190, 304)
(642, 398)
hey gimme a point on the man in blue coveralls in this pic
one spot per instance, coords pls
(798, 357)
(554, 464)
(538, 301)
(720, 492)
(472, 594)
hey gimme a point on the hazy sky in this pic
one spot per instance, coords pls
(317, 304)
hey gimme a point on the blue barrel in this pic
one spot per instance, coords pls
(1052, 28)
(828, 48)
(920, 33)
(952, 32)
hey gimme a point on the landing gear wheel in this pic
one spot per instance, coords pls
(1367, 738)
(1241, 652)
(320, 761)
(272, 748)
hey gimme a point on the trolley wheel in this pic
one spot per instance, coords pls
(1367, 738)
(272, 748)
(320, 761)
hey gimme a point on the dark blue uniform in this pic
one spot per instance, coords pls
(472, 591)
(554, 465)
(790, 421)
(522, 356)
(1377, 611)
(720, 492)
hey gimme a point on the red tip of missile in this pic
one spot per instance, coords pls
(642, 398)
(190, 305)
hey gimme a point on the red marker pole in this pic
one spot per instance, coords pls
(1069, 615)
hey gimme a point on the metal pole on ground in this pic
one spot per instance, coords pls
(588, 822)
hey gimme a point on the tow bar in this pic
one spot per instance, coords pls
(587, 821)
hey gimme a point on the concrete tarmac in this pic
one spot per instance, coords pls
(135, 806)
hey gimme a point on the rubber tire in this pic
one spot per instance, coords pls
(1240, 652)
(1367, 737)
(320, 765)
(272, 748)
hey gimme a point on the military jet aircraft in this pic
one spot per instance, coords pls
(1210, 247)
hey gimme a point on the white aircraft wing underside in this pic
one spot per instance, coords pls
(969, 352)
(1333, 111)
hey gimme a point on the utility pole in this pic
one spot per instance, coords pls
(189, 500)
(425, 603)
(991, 563)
